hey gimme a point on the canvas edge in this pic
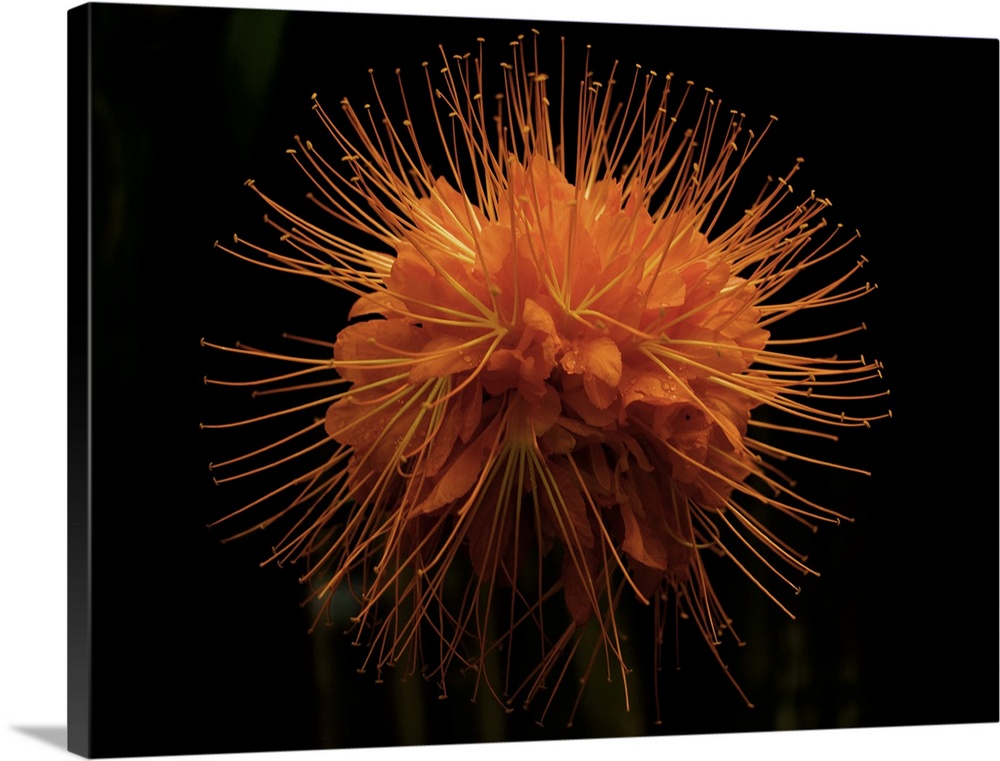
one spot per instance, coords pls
(79, 257)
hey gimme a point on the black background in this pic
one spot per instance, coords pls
(197, 649)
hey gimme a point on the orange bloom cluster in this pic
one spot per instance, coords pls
(550, 384)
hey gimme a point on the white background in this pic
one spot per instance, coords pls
(32, 304)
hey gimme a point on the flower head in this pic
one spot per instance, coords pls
(560, 387)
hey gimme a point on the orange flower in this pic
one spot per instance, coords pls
(560, 386)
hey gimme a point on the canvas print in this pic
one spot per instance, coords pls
(465, 380)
